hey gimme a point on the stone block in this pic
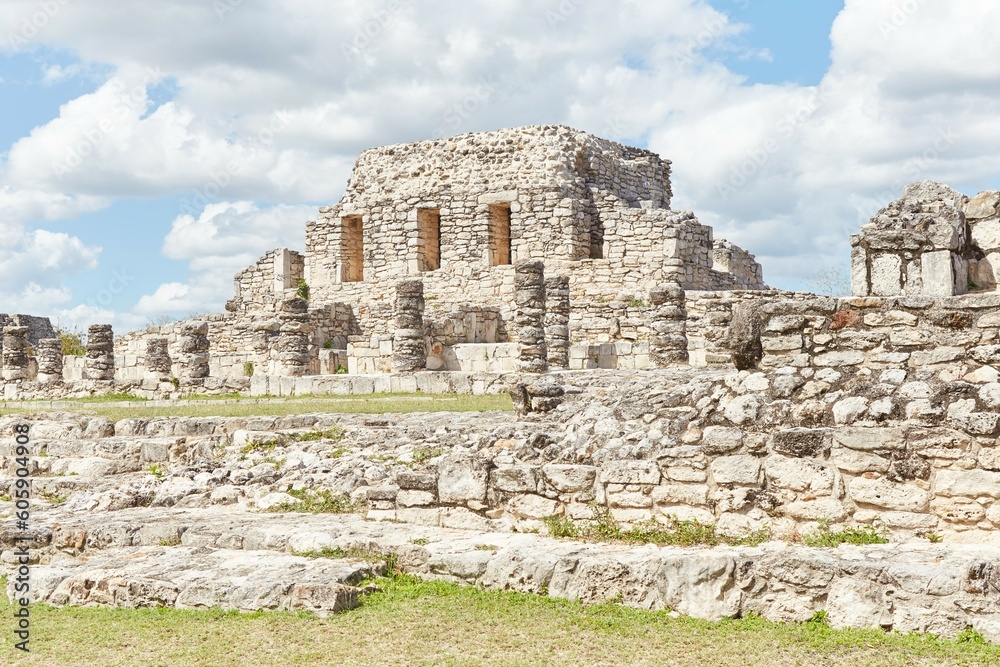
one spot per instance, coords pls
(888, 495)
(886, 275)
(742, 470)
(938, 274)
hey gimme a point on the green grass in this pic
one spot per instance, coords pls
(824, 537)
(369, 404)
(604, 528)
(412, 622)
(335, 434)
(111, 398)
(317, 501)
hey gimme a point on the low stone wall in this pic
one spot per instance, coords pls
(785, 451)
(961, 333)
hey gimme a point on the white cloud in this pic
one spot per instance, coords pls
(33, 262)
(223, 240)
(786, 171)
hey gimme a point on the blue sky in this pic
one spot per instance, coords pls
(788, 123)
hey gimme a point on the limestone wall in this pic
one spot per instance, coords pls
(273, 278)
(932, 241)
(780, 451)
(38, 327)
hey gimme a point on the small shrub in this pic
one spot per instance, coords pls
(328, 345)
(341, 370)
(302, 291)
(248, 369)
(421, 541)
(172, 542)
(156, 471)
(72, 343)
(5, 498)
(174, 380)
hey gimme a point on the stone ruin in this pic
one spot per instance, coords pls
(933, 241)
(547, 263)
(458, 216)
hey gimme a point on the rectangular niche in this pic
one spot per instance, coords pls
(428, 239)
(499, 235)
(352, 250)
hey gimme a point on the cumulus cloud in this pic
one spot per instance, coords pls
(272, 102)
(223, 240)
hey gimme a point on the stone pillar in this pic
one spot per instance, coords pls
(409, 351)
(291, 345)
(529, 298)
(50, 360)
(158, 357)
(15, 353)
(669, 322)
(100, 363)
(557, 321)
(192, 362)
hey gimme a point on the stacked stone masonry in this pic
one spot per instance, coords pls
(100, 352)
(932, 241)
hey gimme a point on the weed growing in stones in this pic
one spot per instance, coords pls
(334, 434)
(824, 537)
(317, 501)
(675, 532)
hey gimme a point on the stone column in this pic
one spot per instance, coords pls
(15, 353)
(291, 345)
(409, 351)
(192, 362)
(529, 298)
(100, 363)
(669, 344)
(50, 360)
(557, 320)
(158, 357)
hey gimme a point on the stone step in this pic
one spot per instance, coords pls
(925, 587)
(143, 449)
(199, 578)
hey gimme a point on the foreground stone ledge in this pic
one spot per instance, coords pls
(939, 589)
(200, 578)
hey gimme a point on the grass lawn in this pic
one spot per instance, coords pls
(373, 404)
(423, 623)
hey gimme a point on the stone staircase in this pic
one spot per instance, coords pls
(173, 512)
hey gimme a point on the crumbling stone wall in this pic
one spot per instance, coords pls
(780, 451)
(272, 279)
(932, 241)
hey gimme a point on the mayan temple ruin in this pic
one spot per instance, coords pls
(655, 380)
